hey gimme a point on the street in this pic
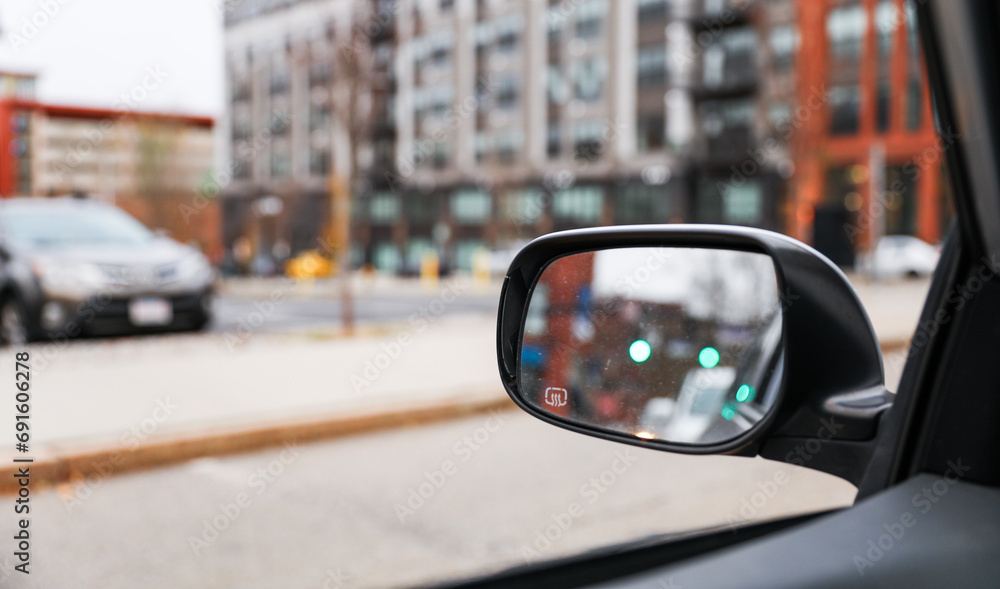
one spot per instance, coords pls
(386, 510)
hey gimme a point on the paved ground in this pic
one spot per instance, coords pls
(335, 505)
(335, 509)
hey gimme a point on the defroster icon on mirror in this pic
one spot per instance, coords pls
(556, 397)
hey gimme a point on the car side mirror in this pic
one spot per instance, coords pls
(693, 339)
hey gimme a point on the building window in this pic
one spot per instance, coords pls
(384, 209)
(441, 155)
(728, 126)
(319, 162)
(416, 249)
(742, 205)
(590, 16)
(882, 105)
(784, 42)
(901, 203)
(558, 92)
(508, 91)
(652, 10)
(434, 48)
(779, 114)
(385, 153)
(845, 105)
(470, 207)
(845, 28)
(553, 140)
(242, 128)
(508, 31)
(731, 61)
(589, 76)
(280, 80)
(320, 73)
(386, 257)
(280, 163)
(433, 100)
(555, 22)
(481, 145)
(588, 140)
(650, 133)
(281, 123)
(525, 206)
(243, 169)
(651, 66)
(466, 251)
(509, 144)
(582, 205)
(639, 203)
(319, 117)
(914, 104)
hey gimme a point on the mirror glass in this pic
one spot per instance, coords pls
(675, 344)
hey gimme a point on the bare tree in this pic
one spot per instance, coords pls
(352, 130)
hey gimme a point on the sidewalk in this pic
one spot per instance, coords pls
(101, 397)
(142, 402)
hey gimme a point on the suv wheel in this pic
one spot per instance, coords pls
(13, 323)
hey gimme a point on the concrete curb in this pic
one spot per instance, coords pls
(894, 345)
(104, 460)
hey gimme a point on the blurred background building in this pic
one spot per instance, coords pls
(150, 164)
(493, 121)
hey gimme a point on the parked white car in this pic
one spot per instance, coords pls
(900, 256)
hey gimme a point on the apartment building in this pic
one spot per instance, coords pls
(498, 120)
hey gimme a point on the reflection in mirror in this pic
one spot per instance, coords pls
(676, 344)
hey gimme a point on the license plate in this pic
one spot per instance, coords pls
(150, 311)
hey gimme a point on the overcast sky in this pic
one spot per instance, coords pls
(91, 52)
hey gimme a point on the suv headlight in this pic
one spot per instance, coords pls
(68, 278)
(194, 267)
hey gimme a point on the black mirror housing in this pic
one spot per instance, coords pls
(832, 393)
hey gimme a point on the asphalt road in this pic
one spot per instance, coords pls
(399, 508)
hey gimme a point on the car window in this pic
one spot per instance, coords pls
(72, 226)
(313, 400)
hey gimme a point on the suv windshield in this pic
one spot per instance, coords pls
(72, 226)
